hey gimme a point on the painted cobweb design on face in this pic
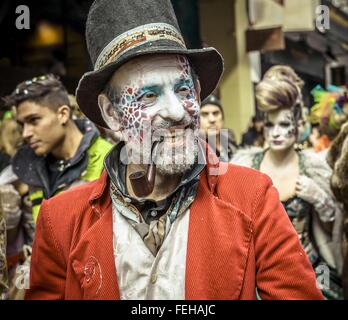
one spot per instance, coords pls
(138, 104)
(131, 112)
(190, 102)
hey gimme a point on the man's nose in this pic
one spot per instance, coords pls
(27, 132)
(172, 108)
(211, 118)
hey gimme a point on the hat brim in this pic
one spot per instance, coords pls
(207, 64)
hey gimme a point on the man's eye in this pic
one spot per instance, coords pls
(184, 90)
(268, 124)
(34, 121)
(148, 97)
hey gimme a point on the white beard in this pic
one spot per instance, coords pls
(172, 158)
(177, 161)
(178, 158)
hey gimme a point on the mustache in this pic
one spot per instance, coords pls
(168, 124)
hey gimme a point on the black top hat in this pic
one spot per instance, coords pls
(119, 30)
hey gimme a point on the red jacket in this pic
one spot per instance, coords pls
(239, 238)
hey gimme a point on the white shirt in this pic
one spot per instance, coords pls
(141, 276)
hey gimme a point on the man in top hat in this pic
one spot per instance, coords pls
(161, 223)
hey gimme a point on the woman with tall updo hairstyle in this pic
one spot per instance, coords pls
(301, 178)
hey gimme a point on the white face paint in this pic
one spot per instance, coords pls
(280, 129)
(158, 92)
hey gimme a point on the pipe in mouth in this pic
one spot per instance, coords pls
(142, 181)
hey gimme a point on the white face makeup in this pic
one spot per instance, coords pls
(158, 93)
(280, 129)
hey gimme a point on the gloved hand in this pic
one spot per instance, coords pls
(308, 190)
(10, 201)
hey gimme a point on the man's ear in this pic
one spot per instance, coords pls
(198, 91)
(64, 113)
(108, 112)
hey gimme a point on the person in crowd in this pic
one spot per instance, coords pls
(337, 158)
(19, 233)
(329, 112)
(254, 135)
(3, 264)
(10, 139)
(320, 141)
(301, 178)
(19, 230)
(223, 142)
(166, 220)
(58, 152)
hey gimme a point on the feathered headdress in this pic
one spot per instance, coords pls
(328, 110)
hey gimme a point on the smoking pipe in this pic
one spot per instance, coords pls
(144, 182)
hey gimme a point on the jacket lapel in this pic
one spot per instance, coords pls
(93, 258)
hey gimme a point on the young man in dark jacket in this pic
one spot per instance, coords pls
(59, 151)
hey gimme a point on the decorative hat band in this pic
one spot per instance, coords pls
(136, 37)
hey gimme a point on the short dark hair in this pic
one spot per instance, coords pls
(45, 90)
